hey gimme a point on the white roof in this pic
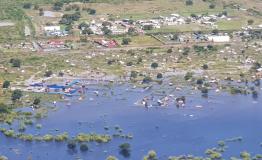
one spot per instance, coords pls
(52, 28)
(219, 38)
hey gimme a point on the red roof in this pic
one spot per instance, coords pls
(56, 42)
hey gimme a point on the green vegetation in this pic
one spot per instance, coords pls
(125, 149)
(93, 138)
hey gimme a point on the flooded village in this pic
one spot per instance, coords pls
(151, 80)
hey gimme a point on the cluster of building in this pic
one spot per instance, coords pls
(55, 31)
(51, 45)
(176, 19)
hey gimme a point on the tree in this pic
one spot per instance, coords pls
(126, 41)
(41, 12)
(71, 144)
(205, 66)
(131, 31)
(125, 149)
(87, 31)
(27, 6)
(188, 76)
(154, 65)
(36, 7)
(189, 2)
(133, 74)
(16, 62)
(129, 64)
(215, 31)
(111, 158)
(200, 81)
(92, 11)
(159, 75)
(83, 26)
(250, 21)
(83, 147)
(3, 108)
(106, 31)
(36, 101)
(6, 84)
(148, 27)
(48, 73)
(186, 51)
(151, 156)
(58, 6)
(212, 6)
(175, 37)
(147, 79)
(16, 95)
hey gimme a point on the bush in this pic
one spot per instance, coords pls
(36, 101)
(133, 74)
(151, 155)
(126, 41)
(48, 73)
(92, 11)
(16, 95)
(3, 108)
(189, 2)
(212, 6)
(169, 50)
(154, 65)
(205, 66)
(71, 145)
(111, 158)
(199, 81)
(58, 6)
(250, 21)
(27, 6)
(129, 64)
(6, 84)
(83, 147)
(147, 79)
(159, 75)
(188, 76)
(16, 62)
(125, 149)
(148, 27)
(186, 51)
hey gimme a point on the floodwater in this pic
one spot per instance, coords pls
(167, 130)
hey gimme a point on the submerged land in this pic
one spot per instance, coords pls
(124, 79)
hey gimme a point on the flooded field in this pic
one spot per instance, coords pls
(169, 130)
